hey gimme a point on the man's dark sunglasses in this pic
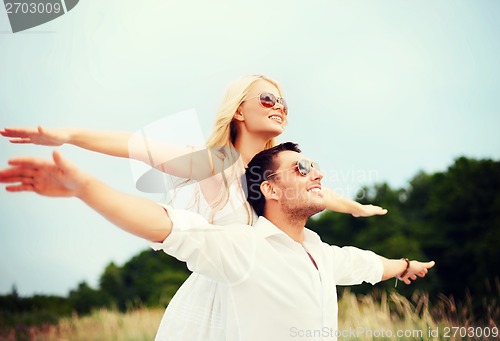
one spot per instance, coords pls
(303, 167)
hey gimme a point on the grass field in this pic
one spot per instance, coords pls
(387, 317)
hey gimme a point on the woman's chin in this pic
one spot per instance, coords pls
(275, 133)
(276, 130)
(269, 131)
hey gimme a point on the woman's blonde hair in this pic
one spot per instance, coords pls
(225, 133)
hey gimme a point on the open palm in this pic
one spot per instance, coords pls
(56, 178)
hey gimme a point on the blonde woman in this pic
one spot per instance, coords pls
(253, 113)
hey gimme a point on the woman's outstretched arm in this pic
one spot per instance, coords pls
(182, 162)
(337, 203)
(106, 142)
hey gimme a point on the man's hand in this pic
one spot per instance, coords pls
(55, 178)
(59, 178)
(416, 268)
(41, 136)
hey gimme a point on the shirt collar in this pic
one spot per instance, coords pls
(266, 229)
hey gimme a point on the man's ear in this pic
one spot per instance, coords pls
(270, 191)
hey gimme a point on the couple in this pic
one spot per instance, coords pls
(277, 277)
(252, 114)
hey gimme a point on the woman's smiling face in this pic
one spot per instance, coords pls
(256, 117)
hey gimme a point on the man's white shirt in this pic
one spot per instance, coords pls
(256, 282)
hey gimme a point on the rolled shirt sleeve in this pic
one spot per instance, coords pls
(354, 266)
(223, 253)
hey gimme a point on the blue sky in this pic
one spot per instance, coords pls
(377, 91)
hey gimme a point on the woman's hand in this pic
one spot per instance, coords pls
(368, 211)
(55, 178)
(40, 135)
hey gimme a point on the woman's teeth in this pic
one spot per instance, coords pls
(276, 118)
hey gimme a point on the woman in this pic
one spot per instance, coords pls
(253, 113)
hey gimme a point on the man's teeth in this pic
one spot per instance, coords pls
(315, 189)
(276, 118)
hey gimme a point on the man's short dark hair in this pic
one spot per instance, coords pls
(259, 168)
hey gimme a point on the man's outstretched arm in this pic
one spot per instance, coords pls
(59, 178)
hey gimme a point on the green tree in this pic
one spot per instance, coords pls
(149, 278)
(84, 299)
(111, 284)
(463, 230)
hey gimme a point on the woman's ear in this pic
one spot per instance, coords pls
(238, 116)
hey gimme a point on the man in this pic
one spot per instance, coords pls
(280, 279)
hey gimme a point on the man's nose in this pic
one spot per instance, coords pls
(316, 174)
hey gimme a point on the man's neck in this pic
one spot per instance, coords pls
(292, 227)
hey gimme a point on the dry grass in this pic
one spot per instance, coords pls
(107, 325)
(140, 324)
(392, 317)
(388, 317)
